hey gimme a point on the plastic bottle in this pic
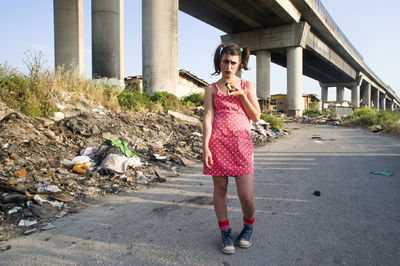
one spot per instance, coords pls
(49, 188)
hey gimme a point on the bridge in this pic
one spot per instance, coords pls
(297, 34)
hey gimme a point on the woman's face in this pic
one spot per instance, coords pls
(229, 65)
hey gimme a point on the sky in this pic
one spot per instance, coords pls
(372, 27)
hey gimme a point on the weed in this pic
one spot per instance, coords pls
(134, 100)
(166, 99)
(366, 117)
(193, 100)
(273, 121)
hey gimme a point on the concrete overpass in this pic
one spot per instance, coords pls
(296, 34)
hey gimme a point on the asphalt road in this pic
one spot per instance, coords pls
(355, 221)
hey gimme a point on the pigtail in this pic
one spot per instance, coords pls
(244, 59)
(217, 59)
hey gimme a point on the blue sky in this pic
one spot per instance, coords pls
(372, 27)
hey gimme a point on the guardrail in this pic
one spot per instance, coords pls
(319, 7)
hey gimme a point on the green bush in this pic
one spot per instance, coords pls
(273, 121)
(366, 117)
(133, 100)
(195, 99)
(312, 113)
(166, 100)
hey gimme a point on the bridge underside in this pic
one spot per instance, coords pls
(314, 67)
(233, 16)
(237, 15)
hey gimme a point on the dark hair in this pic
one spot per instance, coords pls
(232, 49)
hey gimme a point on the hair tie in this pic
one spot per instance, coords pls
(241, 49)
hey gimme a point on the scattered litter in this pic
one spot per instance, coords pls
(188, 162)
(27, 223)
(14, 210)
(119, 163)
(159, 157)
(30, 231)
(381, 173)
(123, 145)
(47, 226)
(90, 151)
(317, 193)
(40, 201)
(157, 145)
(82, 161)
(5, 247)
(48, 188)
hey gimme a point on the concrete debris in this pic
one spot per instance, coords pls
(53, 166)
(332, 119)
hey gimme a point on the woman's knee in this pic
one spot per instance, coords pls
(220, 191)
(247, 199)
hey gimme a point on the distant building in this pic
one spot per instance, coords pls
(279, 102)
(341, 108)
(187, 84)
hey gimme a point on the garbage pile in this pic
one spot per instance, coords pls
(52, 167)
(332, 119)
(262, 132)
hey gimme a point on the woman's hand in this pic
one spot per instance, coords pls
(236, 91)
(207, 158)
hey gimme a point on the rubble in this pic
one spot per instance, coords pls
(50, 167)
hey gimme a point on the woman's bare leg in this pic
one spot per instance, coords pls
(220, 197)
(245, 190)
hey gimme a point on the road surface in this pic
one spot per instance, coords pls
(355, 221)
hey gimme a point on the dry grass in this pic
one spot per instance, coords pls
(37, 92)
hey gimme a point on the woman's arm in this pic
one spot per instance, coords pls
(207, 124)
(249, 101)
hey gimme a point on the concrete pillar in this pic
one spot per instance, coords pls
(355, 96)
(295, 81)
(160, 45)
(382, 103)
(68, 35)
(339, 93)
(108, 39)
(324, 94)
(263, 74)
(375, 98)
(389, 105)
(367, 95)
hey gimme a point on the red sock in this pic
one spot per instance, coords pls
(224, 225)
(248, 222)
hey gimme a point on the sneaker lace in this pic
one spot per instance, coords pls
(246, 233)
(227, 238)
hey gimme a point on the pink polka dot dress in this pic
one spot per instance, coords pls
(230, 143)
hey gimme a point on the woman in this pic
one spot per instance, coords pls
(230, 104)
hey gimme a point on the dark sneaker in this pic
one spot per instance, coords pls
(244, 238)
(227, 242)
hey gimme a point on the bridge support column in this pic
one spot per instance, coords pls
(68, 35)
(160, 45)
(108, 39)
(390, 105)
(375, 99)
(295, 81)
(355, 96)
(367, 96)
(339, 93)
(324, 94)
(263, 58)
(382, 103)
